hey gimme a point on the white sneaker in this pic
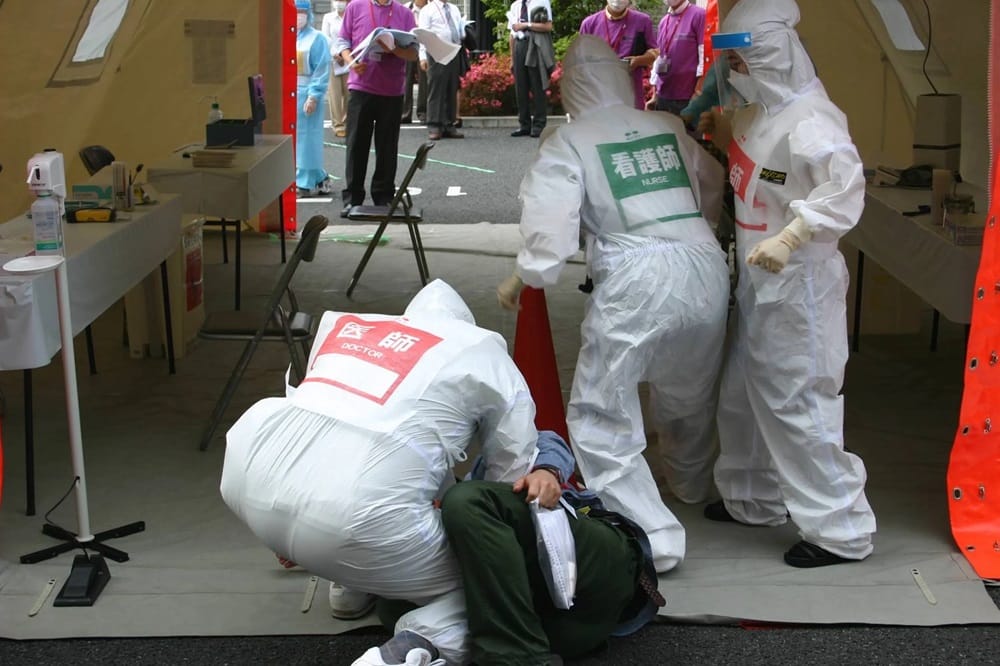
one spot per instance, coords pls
(415, 657)
(348, 604)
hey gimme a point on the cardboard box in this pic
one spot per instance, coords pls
(144, 303)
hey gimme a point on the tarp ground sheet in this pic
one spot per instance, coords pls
(196, 570)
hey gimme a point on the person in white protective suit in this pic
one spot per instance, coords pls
(642, 191)
(340, 475)
(799, 187)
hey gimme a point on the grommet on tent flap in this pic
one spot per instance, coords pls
(994, 358)
(965, 430)
(957, 493)
(970, 548)
(982, 491)
(973, 364)
(993, 221)
(987, 426)
(980, 293)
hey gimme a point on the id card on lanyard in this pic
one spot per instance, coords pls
(663, 62)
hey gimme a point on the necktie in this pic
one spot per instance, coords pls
(524, 11)
(455, 39)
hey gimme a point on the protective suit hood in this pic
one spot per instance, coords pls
(305, 6)
(440, 301)
(780, 67)
(594, 78)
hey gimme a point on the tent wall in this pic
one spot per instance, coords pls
(142, 105)
(877, 86)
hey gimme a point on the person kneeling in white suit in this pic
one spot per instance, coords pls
(341, 475)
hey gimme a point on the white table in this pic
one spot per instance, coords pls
(259, 175)
(103, 261)
(916, 252)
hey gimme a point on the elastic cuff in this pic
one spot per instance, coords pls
(799, 229)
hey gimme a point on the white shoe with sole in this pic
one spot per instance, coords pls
(415, 657)
(348, 604)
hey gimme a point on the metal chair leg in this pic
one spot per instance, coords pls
(225, 245)
(230, 389)
(425, 272)
(364, 260)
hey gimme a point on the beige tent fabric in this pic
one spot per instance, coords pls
(140, 102)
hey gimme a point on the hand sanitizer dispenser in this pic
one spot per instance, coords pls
(47, 173)
(47, 179)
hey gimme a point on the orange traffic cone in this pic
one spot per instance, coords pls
(535, 356)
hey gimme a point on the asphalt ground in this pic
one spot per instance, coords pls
(466, 181)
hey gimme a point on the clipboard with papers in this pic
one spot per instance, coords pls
(384, 40)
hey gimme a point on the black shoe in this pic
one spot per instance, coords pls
(535, 133)
(421, 118)
(521, 132)
(718, 512)
(805, 555)
(453, 134)
(406, 120)
(457, 123)
(346, 210)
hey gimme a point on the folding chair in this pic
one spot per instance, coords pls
(277, 324)
(400, 209)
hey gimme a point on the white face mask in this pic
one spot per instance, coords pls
(744, 85)
(617, 6)
(301, 20)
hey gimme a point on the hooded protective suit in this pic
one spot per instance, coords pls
(797, 176)
(641, 190)
(313, 62)
(340, 475)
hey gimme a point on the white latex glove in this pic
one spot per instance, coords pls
(772, 254)
(508, 293)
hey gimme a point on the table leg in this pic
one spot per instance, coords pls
(29, 446)
(236, 289)
(225, 245)
(91, 358)
(281, 223)
(168, 326)
(935, 323)
(856, 335)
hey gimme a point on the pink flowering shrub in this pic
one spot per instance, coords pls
(488, 88)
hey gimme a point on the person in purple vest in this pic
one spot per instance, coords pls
(629, 33)
(375, 99)
(680, 41)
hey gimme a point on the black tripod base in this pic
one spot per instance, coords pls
(86, 580)
(71, 543)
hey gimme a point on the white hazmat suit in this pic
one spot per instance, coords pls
(641, 190)
(799, 187)
(340, 475)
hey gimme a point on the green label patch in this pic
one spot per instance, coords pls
(642, 166)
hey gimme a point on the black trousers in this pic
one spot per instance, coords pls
(442, 83)
(415, 74)
(371, 115)
(531, 116)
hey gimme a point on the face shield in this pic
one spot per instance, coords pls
(732, 75)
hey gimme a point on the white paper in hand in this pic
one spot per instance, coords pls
(556, 553)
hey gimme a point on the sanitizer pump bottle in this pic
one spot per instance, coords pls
(47, 222)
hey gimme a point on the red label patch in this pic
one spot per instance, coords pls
(741, 169)
(370, 358)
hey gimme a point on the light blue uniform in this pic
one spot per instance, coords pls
(313, 58)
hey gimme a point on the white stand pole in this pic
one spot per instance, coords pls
(44, 264)
(72, 405)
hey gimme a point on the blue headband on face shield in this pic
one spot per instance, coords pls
(731, 40)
